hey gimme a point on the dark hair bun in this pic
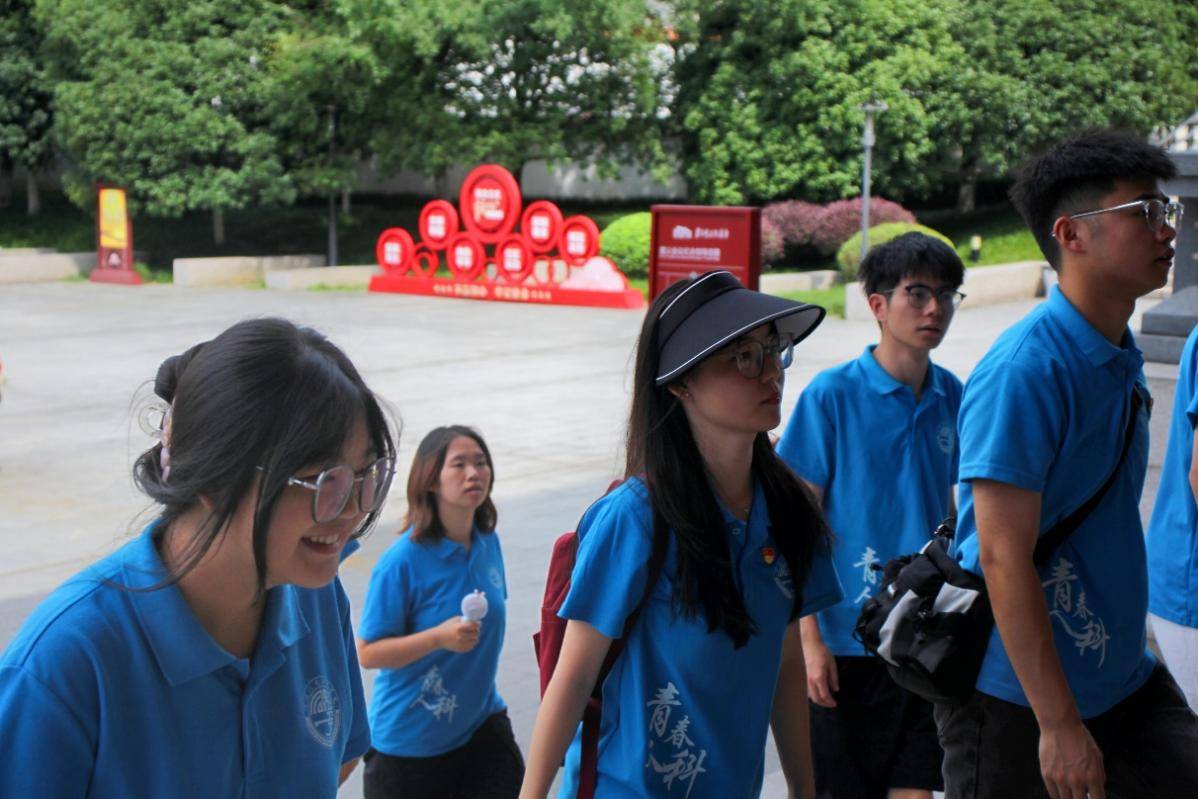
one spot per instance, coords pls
(170, 370)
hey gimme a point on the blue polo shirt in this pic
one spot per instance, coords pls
(684, 712)
(1046, 410)
(1173, 531)
(107, 692)
(434, 704)
(886, 465)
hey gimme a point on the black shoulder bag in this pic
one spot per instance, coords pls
(931, 620)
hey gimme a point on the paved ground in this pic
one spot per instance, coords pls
(548, 387)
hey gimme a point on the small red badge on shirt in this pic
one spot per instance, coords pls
(768, 555)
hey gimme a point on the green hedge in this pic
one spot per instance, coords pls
(626, 242)
(850, 252)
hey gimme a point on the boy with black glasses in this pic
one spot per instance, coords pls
(875, 438)
(1069, 702)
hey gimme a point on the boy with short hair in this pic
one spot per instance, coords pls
(875, 438)
(1069, 702)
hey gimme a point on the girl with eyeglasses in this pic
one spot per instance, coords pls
(712, 658)
(433, 623)
(213, 654)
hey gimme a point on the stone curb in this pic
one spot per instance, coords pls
(307, 277)
(236, 270)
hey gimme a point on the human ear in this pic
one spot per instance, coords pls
(1069, 234)
(879, 305)
(679, 390)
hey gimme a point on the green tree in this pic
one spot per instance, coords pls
(169, 100)
(510, 81)
(1036, 71)
(770, 95)
(26, 116)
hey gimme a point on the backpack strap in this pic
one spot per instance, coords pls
(589, 761)
(1051, 541)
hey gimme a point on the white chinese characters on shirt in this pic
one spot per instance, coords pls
(434, 698)
(1087, 630)
(680, 760)
(869, 575)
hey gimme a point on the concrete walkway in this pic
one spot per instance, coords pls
(547, 386)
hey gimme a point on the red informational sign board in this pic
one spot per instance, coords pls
(688, 240)
(114, 239)
(551, 259)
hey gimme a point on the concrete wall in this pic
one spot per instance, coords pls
(337, 276)
(566, 182)
(38, 265)
(236, 270)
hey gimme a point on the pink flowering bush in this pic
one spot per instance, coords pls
(795, 221)
(841, 219)
(772, 247)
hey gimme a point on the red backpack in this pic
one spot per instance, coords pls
(547, 643)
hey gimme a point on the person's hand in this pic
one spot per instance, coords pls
(822, 679)
(1071, 763)
(457, 635)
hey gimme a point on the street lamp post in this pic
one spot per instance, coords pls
(867, 142)
(332, 255)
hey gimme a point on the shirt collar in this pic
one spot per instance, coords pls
(882, 382)
(444, 548)
(1085, 336)
(182, 647)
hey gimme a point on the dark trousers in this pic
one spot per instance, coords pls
(1149, 744)
(488, 766)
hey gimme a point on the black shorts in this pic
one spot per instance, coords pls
(488, 766)
(879, 736)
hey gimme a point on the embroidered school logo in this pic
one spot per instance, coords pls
(496, 578)
(672, 753)
(1087, 630)
(768, 556)
(322, 711)
(434, 698)
(782, 579)
(945, 438)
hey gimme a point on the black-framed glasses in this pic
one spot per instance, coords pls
(333, 487)
(919, 295)
(1157, 213)
(750, 354)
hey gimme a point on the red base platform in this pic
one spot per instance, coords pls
(536, 294)
(126, 277)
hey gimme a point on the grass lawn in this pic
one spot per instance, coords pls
(1005, 238)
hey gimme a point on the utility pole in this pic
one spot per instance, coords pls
(867, 142)
(332, 255)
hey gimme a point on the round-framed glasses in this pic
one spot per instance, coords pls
(919, 295)
(1157, 212)
(333, 487)
(750, 354)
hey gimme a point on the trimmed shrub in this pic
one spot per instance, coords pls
(842, 219)
(772, 247)
(849, 253)
(795, 221)
(626, 242)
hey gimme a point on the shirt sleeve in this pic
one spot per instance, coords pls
(808, 444)
(385, 610)
(359, 735)
(45, 748)
(822, 589)
(499, 563)
(611, 567)
(1010, 425)
(954, 396)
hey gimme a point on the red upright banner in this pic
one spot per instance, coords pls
(549, 260)
(114, 239)
(688, 240)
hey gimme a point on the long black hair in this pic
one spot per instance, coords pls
(661, 448)
(264, 398)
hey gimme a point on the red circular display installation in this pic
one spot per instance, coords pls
(466, 257)
(438, 224)
(579, 240)
(541, 225)
(490, 202)
(394, 249)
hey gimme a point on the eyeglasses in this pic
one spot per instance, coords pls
(919, 295)
(749, 354)
(1157, 213)
(334, 486)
